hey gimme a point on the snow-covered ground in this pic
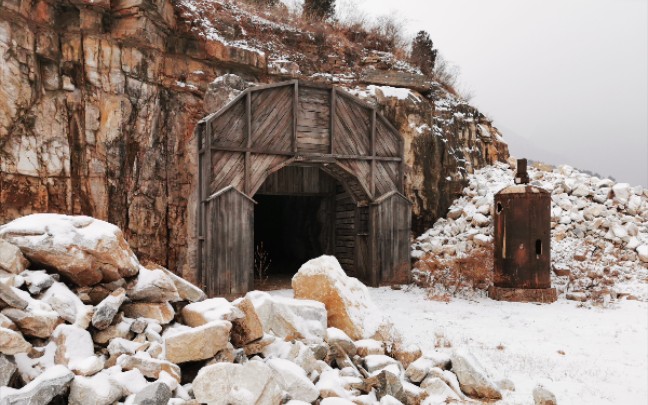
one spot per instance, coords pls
(584, 354)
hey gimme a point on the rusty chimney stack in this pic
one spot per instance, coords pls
(521, 177)
(522, 218)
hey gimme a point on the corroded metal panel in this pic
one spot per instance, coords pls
(522, 238)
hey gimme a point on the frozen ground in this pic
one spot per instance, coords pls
(605, 358)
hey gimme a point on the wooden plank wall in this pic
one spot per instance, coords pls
(345, 230)
(298, 180)
(313, 120)
(391, 222)
(230, 239)
(272, 119)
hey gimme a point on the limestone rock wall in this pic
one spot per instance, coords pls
(98, 104)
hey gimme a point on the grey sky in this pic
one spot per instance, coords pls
(566, 81)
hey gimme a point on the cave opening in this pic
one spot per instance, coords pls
(289, 230)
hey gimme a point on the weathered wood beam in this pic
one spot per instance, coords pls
(271, 86)
(306, 156)
(248, 141)
(332, 120)
(372, 170)
(295, 113)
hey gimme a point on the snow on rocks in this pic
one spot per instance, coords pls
(212, 309)
(472, 377)
(293, 380)
(84, 249)
(153, 286)
(598, 230)
(542, 396)
(51, 383)
(290, 318)
(121, 340)
(347, 300)
(105, 312)
(224, 383)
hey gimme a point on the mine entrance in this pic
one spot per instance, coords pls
(288, 231)
(293, 223)
(298, 159)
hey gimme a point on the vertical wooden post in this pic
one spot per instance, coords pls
(372, 174)
(295, 112)
(332, 120)
(200, 217)
(248, 140)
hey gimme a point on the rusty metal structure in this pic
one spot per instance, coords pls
(522, 217)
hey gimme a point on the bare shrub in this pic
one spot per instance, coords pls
(261, 263)
(473, 272)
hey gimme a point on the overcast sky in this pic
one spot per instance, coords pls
(566, 81)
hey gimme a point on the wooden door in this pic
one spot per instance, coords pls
(228, 263)
(389, 229)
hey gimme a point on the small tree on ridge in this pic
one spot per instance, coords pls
(423, 53)
(319, 9)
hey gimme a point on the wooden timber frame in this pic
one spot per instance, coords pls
(300, 126)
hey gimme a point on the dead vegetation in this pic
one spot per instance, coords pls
(337, 45)
(448, 278)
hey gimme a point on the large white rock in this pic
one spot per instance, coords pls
(348, 303)
(153, 286)
(212, 309)
(290, 318)
(622, 193)
(83, 249)
(100, 389)
(473, 379)
(252, 383)
(293, 380)
(11, 258)
(51, 383)
(197, 343)
(73, 346)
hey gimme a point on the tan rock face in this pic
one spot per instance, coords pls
(12, 342)
(161, 312)
(33, 323)
(249, 328)
(11, 258)
(98, 119)
(348, 304)
(83, 249)
(198, 343)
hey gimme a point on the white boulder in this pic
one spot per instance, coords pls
(83, 249)
(252, 383)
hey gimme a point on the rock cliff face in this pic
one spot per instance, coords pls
(99, 100)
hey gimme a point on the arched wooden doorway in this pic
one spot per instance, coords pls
(305, 128)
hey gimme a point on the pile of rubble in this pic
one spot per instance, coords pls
(599, 245)
(98, 327)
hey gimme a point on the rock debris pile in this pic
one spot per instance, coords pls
(599, 237)
(96, 326)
